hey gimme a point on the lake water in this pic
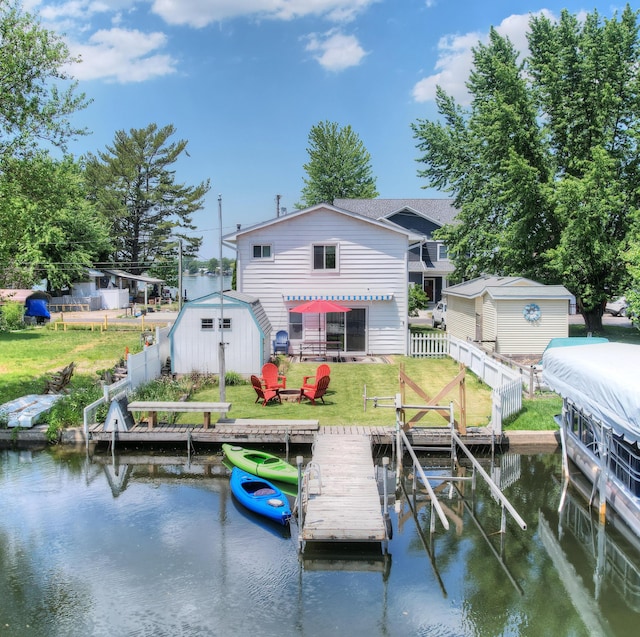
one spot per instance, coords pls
(200, 285)
(155, 545)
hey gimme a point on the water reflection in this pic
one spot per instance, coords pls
(148, 545)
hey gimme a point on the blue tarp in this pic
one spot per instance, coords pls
(37, 307)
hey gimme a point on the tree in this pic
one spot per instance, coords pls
(134, 187)
(33, 105)
(418, 300)
(339, 166)
(50, 230)
(543, 164)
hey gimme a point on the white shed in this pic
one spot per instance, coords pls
(195, 335)
(512, 316)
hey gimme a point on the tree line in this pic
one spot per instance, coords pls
(543, 166)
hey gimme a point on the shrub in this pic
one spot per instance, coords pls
(233, 378)
(11, 316)
(418, 299)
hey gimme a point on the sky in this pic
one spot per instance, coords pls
(244, 81)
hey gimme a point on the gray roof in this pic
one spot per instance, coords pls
(441, 211)
(506, 287)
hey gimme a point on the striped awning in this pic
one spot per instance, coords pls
(338, 297)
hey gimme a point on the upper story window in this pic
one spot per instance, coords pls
(325, 257)
(442, 252)
(262, 251)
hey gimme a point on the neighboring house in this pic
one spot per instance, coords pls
(109, 289)
(429, 265)
(329, 253)
(508, 315)
(195, 335)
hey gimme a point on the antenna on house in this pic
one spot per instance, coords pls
(278, 205)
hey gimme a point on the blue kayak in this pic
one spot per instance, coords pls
(260, 496)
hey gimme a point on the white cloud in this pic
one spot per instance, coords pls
(199, 13)
(455, 57)
(123, 56)
(336, 51)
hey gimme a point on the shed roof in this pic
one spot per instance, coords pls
(507, 288)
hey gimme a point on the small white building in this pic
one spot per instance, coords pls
(508, 315)
(195, 335)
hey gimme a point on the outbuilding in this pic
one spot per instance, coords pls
(195, 335)
(512, 316)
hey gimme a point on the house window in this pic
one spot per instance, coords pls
(324, 257)
(226, 323)
(206, 323)
(262, 251)
(442, 252)
(295, 325)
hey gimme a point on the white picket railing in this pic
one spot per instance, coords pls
(142, 367)
(506, 383)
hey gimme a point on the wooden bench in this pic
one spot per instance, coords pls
(59, 381)
(155, 406)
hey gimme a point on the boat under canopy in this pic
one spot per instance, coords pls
(602, 379)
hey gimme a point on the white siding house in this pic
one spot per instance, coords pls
(508, 315)
(195, 335)
(324, 252)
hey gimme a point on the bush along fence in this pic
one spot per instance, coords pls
(142, 368)
(506, 383)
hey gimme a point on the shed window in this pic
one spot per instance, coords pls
(261, 251)
(206, 323)
(324, 257)
(226, 323)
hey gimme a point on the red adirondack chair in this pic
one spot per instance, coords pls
(309, 382)
(271, 378)
(266, 395)
(316, 391)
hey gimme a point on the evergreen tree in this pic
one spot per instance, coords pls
(133, 186)
(339, 166)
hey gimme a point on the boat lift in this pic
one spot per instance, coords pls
(402, 442)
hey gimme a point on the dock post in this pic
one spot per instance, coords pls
(299, 460)
(385, 508)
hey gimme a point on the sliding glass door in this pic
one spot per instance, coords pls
(349, 329)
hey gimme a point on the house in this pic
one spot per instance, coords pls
(508, 315)
(429, 265)
(324, 252)
(195, 336)
(109, 289)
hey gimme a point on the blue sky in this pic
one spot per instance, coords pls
(243, 81)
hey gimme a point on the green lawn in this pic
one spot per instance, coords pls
(28, 357)
(344, 399)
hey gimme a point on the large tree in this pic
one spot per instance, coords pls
(339, 166)
(49, 229)
(543, 165)
(133, 185)
(37, 95)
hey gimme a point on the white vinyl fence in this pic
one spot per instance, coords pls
(506, 383)
(142, 367)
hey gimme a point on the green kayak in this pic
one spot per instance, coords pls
(261, 463)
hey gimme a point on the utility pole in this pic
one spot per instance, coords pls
(222, 370)
(180, 275)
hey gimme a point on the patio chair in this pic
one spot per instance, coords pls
(315, 392)
(266, 395)
(281, 342)
(271, 377)
(309, 382)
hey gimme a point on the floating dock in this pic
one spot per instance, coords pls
(340, 495)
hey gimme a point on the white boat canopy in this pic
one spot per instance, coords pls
(602, 379)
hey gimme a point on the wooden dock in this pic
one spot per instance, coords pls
(341, 499)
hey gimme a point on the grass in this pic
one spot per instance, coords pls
(32, 355)
(344, 399)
